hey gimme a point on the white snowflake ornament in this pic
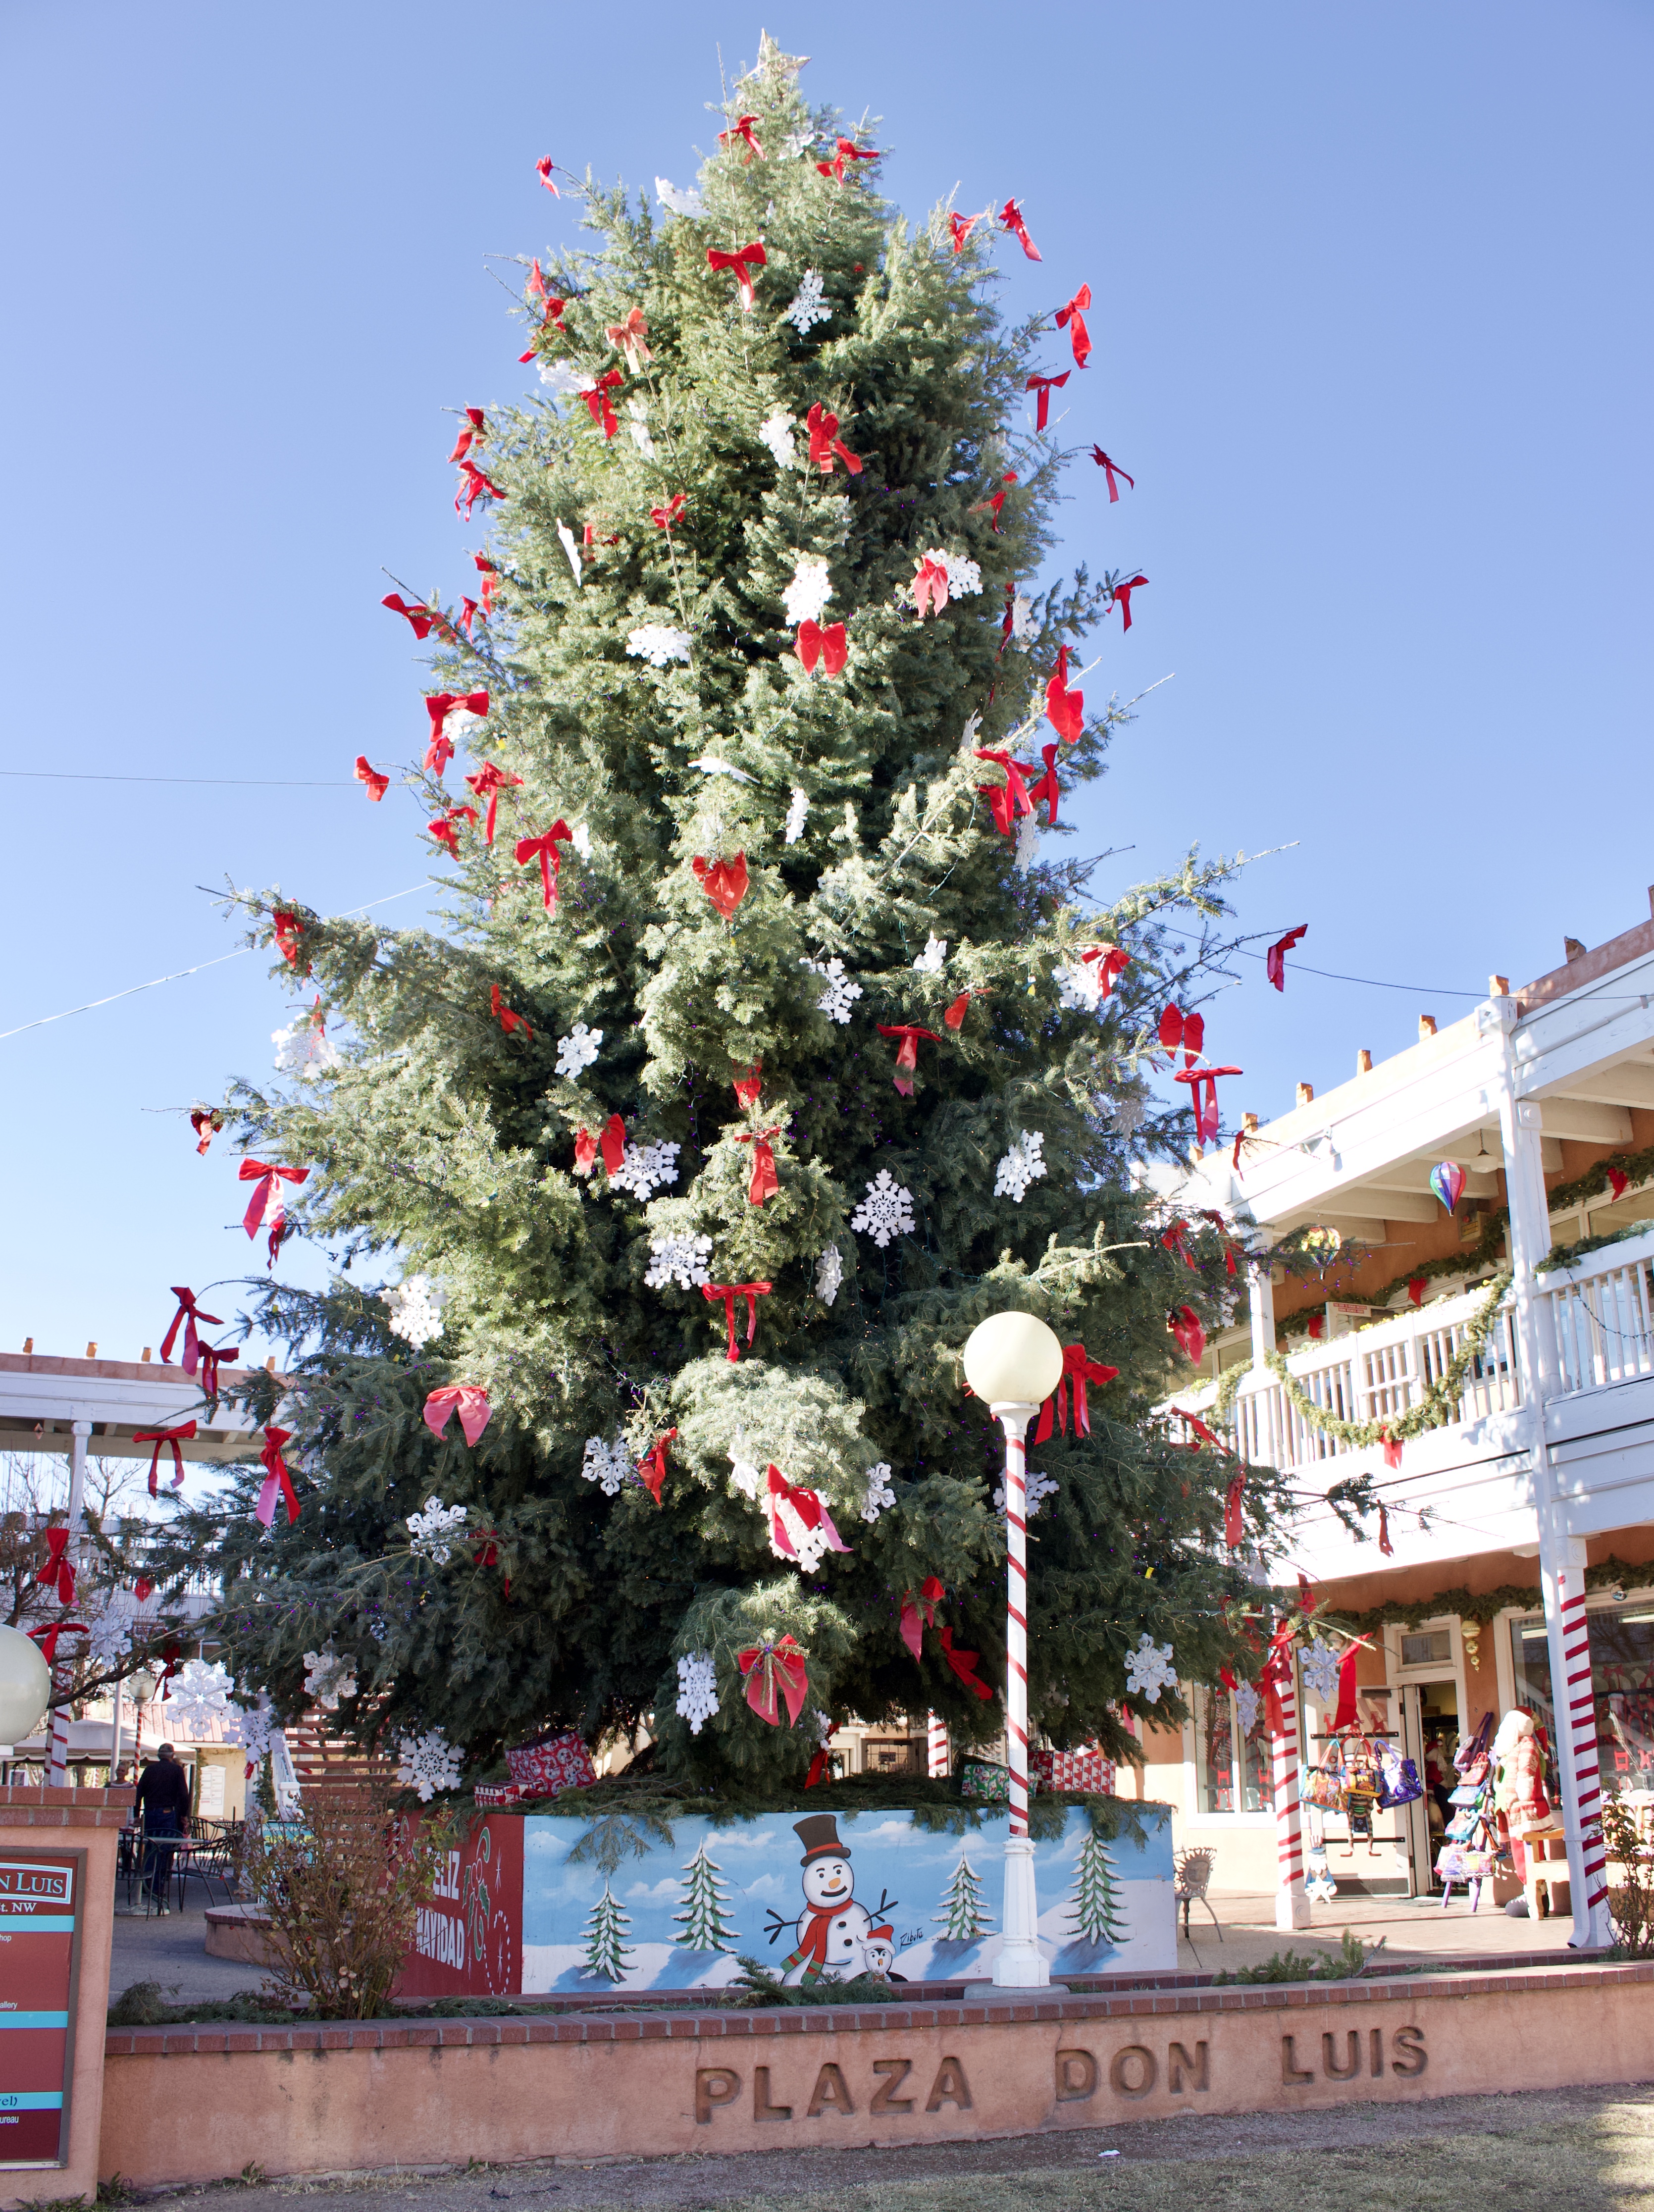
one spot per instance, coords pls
(1079, 985)
(303, 1047)
(775, 432)
(796, 812)
(1149, 1670)
(806, 597)
(637, 427)
(697, 1689)
(1024, 628)
(830, 1274)
(578, 1049)
(428, 1532)
(886, 1211)
(930, 961)
(607, 1465)
(808, 308)
(658, 643)
(415, 1304)
(836, 1000)
(201, 1695)
(428, 1763)
(1320, 1669)
(879, 1495)
(563, 380)
(1037, 1488)
(643, 1166)
(328, 1677)
(571, 553)
(1027, 845)
(1247, 1705)
(254, 1728)
(679, 1258)
(676, 201)
(109, 1637)
(581, 840)
(1022, 1164)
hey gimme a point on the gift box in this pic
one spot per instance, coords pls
(1039, 1772)
(991, 1784)
(551, 1763)
(489, 1794)
(1086, 1770)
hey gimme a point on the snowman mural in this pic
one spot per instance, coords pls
(836, 1934)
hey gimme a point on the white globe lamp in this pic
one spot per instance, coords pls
(1012, 1359)
(25, 1688)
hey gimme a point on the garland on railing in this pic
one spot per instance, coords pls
(1482, 1608)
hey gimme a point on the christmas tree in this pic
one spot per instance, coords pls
(963, 1910)
(705, 1902)
(1095, 1902)
(753, 973)
(606, 1950)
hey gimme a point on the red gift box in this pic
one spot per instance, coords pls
(552, 1762)
(491, 1794)
(1087, 1770)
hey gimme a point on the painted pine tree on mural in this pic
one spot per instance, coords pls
(964, 1914)
(705, 1900)
(1094, 1903)
(606, 1950)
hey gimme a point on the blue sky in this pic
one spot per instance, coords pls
(1371, 331)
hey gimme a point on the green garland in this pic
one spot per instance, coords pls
(1482, 1607)
(1433, 1411)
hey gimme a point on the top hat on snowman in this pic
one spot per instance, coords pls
(819, 1836)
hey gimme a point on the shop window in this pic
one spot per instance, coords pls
(1433, 1647)
(1232, 1766)
(1621, 1681)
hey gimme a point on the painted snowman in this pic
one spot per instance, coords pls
(832, 1930)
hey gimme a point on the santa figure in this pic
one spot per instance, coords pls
(832, 1930)
(1519, 1780)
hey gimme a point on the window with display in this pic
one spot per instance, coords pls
(1232, 1761)
(1622, 1682)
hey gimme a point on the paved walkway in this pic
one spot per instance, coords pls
(173, 1951)
(1411, 1928)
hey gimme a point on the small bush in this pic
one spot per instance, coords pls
(758, 1986)
(1632, 1903)
(1343, 1964)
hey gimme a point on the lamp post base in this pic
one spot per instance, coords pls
(1021, 1964)
(1292, 1907)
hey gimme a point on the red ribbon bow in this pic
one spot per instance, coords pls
(806, 1504)
(286, 929)
(1234, 1526)
(599, 405)
(741, 266)
(1173, 1237)
(764, 1181)
(1109, 961)
(664, 517)
(963, 1664)
(1010, 799)
(212, 1356)
(829, 645)
(1274, 960)
(47, 1637)
(475, 431)
(1078, 1369)
(267, 1208)
(768, 1668)
(652, 1468)
(1181, 1030)
(1113, 469)
(993, 507)
(748, 1086)
(186, 1316)
(420, 618)
(142, 1587)
(1048, 787)
(486, 569)
(960, 227)
(1120, 596)
(729, 1292)
(538, 290)
(1079, 336)
(487, 784)
(185, 1429)
(544, 168)
(277, 1481)
(445, 827)
(1392, 1447)
(742, 129)
(613, 1144)
(907, 1057)
(1277, 1674)
(1203, 1096)
(439, 705)
(503, 1015)
(366, 773)
(469, 1400)
(1202, 1434)
(1617, 1181)
(930, 588)
(628, 335)
(1045, 386)
(1384, 1544)
(724, 882)
(58, 1572)
(474, 485)
(206, 1121)
(1065, 709)
(1185, 1325)
(585, 1150)
(956, 1013)
(930, 1594)
(825, 442)
(1011, 217)
(544, 849)
(846, 150)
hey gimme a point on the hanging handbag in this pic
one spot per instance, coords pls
(1399, 1782)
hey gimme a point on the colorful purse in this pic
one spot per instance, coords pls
(1399, 1784)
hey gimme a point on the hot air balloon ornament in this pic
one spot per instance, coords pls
(1447, 1181)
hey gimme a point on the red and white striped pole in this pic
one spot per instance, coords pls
(1581, 1770)
(1292, 1905)
(62, 1674)
(936, 1747)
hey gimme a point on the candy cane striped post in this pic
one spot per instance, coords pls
(1021, 1963)
(1576, 1712)
(937, 1746)
(1292, 1905)
(62, 1674)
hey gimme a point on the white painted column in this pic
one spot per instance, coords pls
(936, 1745)
(1292, 1905)
(1021, 1963)
(63, 1673)
(1261, 1294)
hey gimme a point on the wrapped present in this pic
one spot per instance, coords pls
(1039, 1772)
(991, 1784)
(1086, 1770)
(493, 1794)
(551, 1763)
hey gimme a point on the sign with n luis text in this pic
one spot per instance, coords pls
(39, 1955)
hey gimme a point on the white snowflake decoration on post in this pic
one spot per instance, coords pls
(676, 201)
(1022, 1164)
(608, 1465)
(328, 1677)
(680, 1258)
(697, 1689)
(416, 1306)
(1247, 1705)
(929, 962)
(658, 643)
(637, 427)
(428, 1532)
(1149, 1670)
(201, 1695)
(642, 1166)
(840, 993)
(1320, 1668)
(1038, 1488)
(829, 1273)
(886, 1211)
(808, 307)
(428, 1763)
(879, 1495)
(578, 1049)
(775, 432)
(806, 597)
(796, 812)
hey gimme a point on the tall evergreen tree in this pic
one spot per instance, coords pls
(653, 738)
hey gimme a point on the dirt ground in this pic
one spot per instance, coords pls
(1579, 2150)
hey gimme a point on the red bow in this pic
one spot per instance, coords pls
(598, 402)
(538, 288)
(142, 1587)
(212, 1355)
(206, 1121)
(1277, 1674)
(469, 1400)
(807, 1504)
(187, 1315)
(1045, 386)
(829, 644)
(1218, 1221)
(1120, 596)
(1203, 1096)
(286, 929)
(276, 1480)
(1078, 1369)
(930, 588)
(741, 266)
(1274, 960)
(475, 485)
(724, 882)
(487, 1553)
(488, 573)
(543, 167)
(439, 705)
(475, 431)
(613, 1144)
(544, 849)
(1048, 787)
(1109, 961)
(824, 442)
(553, 314)
(907, 1057)
(1011, 217)
(420, 618)
(628, 337)
(1007, 799)
(1079, 335)
(1174, 1241)
(1617, 1181)
(820, 1768)
(1065, 709)
(652, 1466)
(930, 1594)
(963, 1664)
(47, 1637)
(847, 150)
(1113, 469)
(445, 827)
(585, 1150)
(960, 227)
(1234, 1525)
(159, 1437)
(664, 517)
(748, 1086)
(1202, 1434)
(470, 612)
(58, 1572)
(377, 785)
(1178, 1029)
(771, 1667)
(729, 1292)
(1185, 1325)
(267, 1208)
(993, 507)
(956, 1013)
(742, 128)
(503, 1015)
(487, 784)
(764, 1183)
(1417, 1286)
(1384, 1544)
(1392, 1447)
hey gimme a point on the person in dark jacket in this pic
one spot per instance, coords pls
(163, 1808)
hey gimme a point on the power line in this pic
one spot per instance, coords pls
(1372, 983)
(218, 782)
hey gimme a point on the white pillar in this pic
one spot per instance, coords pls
(1292, 1905)
(63, 1673)
(1021, 1963)
(1260, 1292)
(936, 1745)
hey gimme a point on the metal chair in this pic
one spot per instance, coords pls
(1193, 1873)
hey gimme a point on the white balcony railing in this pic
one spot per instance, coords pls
(1601, 1312)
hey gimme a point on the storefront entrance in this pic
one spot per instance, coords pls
(1430, 1736)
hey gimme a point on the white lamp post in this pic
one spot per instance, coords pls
(1014, 1362)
